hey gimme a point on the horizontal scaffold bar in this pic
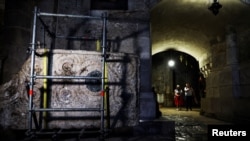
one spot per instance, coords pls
(67, 15)
(65, 77)
(66, 109)
(76, 38)
(64, 132)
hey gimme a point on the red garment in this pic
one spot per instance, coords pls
(178, 100)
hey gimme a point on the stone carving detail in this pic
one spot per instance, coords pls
(94, 85)
(122, 80)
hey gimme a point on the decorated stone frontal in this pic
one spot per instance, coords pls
(121, 80)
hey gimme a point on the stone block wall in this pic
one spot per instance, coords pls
(228, 82)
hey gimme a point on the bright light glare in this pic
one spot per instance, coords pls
(171, 63)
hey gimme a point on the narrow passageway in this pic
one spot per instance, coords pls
(189, 125)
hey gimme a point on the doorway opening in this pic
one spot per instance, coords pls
(170, 68)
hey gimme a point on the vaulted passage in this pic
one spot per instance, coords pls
(219, 42)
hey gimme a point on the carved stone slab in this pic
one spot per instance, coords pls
(121, 78)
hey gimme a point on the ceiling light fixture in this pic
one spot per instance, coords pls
(171, 63)
(215, 7)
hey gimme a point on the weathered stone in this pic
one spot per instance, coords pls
(122, 80)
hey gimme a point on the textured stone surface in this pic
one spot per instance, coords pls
(128, 31)
(122, 72)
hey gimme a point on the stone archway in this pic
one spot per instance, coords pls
(165, 77)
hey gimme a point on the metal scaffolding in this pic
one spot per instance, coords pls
(31, 109)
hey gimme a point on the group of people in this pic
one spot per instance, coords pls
(183, 96)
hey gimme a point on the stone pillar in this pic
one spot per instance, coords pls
(147, 98)
(16, 34)
(232, 59)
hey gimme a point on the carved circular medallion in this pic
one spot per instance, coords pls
(94, 85)
(65, 96)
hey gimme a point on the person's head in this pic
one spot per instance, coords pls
(187, 85)
(153, 88)
(177, 86)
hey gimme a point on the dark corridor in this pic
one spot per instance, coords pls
(165, 77)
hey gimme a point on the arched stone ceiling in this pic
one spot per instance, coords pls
(188, 26)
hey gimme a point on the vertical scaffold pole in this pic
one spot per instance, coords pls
(31, 83)
(104, 36)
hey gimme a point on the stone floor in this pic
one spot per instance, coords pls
(189, 125)
(173, 125)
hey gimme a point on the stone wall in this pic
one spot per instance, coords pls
(128, 31)
(227, 81)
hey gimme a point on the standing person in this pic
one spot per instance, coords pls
(188, 96)
(158, 112)
(178, 97)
